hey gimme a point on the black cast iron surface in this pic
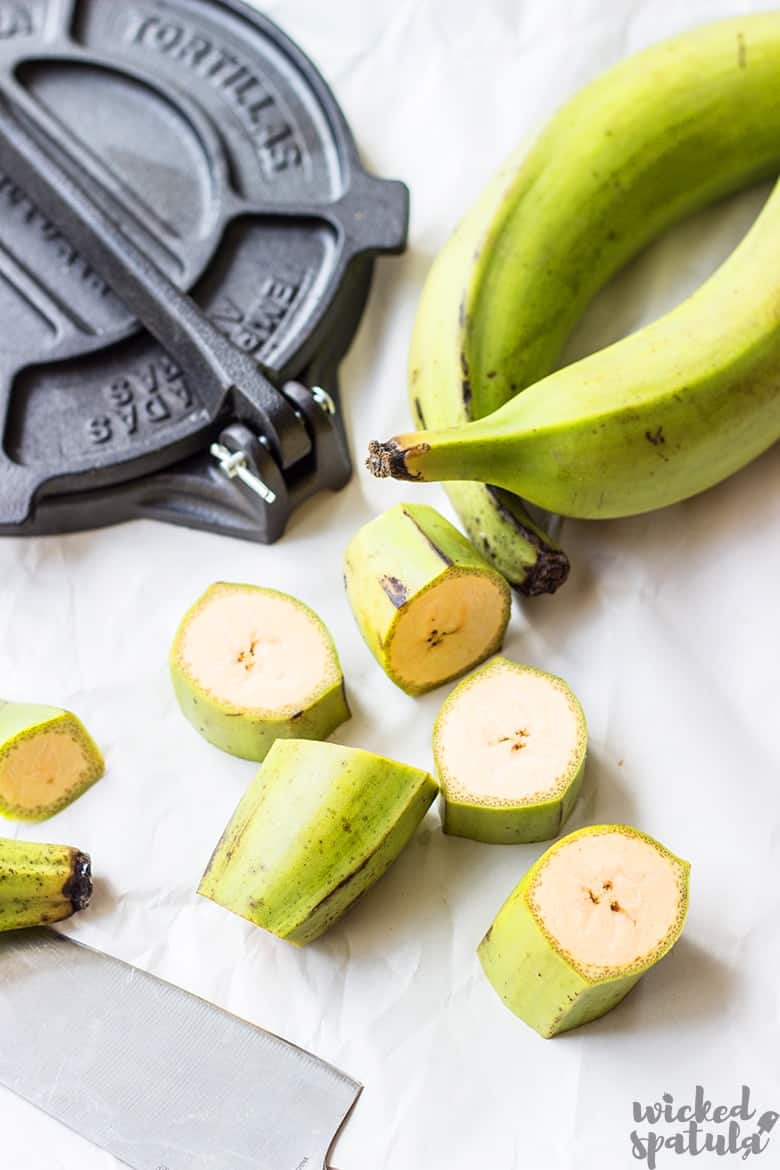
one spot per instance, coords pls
(198, 134)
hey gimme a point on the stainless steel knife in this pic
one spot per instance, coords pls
(159, 1078)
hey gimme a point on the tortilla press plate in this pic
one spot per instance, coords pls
(210, 146)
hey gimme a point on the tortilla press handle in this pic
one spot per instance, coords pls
(272, 425)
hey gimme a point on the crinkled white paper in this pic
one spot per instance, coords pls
(667, 630)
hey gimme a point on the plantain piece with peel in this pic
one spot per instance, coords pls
(47, 760)
(41, 884)
(595, 912)
(510, 745)
(318, 825)
(252, 665)
(663, 134)
(660, 416)
(427, 603)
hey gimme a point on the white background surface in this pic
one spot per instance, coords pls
(667, 630)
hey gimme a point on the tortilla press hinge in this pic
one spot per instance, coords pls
(240, 454)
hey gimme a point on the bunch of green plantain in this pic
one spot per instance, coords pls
(41, 884)
(660, 415)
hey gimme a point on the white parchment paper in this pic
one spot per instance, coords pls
(667, 629)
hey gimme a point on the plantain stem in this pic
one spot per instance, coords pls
(388, 460)
(78, 887)
(548, 565)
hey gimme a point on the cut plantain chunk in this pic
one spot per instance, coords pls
(41, 884)
(510, 745)
(429, 606)
(597, 910)
(251, 665)
(47, 760)
(318, 825)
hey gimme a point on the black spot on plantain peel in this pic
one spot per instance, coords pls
(395, 590)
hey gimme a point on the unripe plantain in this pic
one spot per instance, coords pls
(497, 523)
(47, 760)
(252, 665)
(319, 824)
(41, 884)
(661, 135)
(510, 745)
(655, 418)
(595, 912)
(427, 603)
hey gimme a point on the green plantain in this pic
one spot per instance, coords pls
(47, 760)
(318, 825)
(428, 605)
(590, 917)
(498, 523)
(40, 884)
(661, 135)
(655, 418)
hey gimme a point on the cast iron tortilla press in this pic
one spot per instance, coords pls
(186, 245)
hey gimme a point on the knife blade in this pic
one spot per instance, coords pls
(156, 1076)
